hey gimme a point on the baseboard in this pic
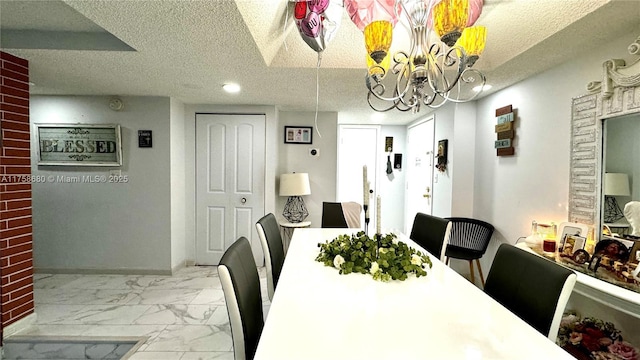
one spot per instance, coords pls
(19, 325)
(178, 267)
(103, 271)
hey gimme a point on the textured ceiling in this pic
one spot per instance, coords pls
(188, 49)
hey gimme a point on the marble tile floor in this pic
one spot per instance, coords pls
(184, 315)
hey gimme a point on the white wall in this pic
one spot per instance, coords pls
(178, 177)
(296, 158)
(103, 226)
(462, 155)
(442, 181)
(392, 187)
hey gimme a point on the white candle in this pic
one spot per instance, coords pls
(366, 193)
(366, 200)
(365, 188)
(378, 215)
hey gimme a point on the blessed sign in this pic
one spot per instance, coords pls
(79, 144)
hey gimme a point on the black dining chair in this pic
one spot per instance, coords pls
(469, 240)
(432, 233)
(533, 288)
(341, 214)
(241, 286)
(272, 247)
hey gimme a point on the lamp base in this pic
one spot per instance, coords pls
(612, 212)
(294, 210)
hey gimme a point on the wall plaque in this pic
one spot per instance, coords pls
(79, 144)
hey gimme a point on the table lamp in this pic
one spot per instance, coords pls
(615, 184)
(294, 185)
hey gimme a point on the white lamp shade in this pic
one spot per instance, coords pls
(295, 184)
(616, 184)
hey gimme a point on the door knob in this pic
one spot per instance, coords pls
(243, 200)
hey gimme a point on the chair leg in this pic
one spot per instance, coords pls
(473, 277)
(480, 271)
(446, 262)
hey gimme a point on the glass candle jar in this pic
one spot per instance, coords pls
(549, 246)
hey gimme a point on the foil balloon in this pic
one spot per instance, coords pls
(475, 9)
(318, 21)
(364, 12)
(376, 19)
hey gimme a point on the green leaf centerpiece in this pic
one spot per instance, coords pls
(386, 259)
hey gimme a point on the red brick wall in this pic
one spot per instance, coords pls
(16, 255)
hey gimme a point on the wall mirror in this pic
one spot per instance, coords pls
(614, 101)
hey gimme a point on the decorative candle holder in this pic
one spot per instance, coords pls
(366, 220)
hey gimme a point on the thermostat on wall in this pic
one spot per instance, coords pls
(144, 139)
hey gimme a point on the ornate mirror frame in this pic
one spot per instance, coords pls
(616, 95)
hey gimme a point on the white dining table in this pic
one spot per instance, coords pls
(316, 313)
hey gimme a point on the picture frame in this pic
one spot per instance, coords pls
(635, 251)
(298, 135)
(570, 228)
(572, 243)
(79, 144)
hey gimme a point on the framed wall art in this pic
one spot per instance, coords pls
(79, 144)
(298, 135)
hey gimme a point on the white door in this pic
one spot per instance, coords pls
(420, 165)
(229, 183)
(357, 147)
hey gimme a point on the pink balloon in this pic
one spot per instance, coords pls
(310, 25)
(363, 12)
(475, 9)
(318, 21)
(318, 6)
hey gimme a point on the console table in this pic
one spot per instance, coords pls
(617, 297)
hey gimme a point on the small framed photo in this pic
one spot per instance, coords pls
(569, 228)
(298, 135)
(634, 257)
(571, 244)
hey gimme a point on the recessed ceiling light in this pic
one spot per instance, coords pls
(231, 88)
(484, 88)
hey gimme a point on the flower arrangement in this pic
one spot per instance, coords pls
(591, 338)
(386, 259)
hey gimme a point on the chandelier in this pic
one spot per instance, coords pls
(433, 72)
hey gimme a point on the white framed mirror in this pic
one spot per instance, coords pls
(617, 95)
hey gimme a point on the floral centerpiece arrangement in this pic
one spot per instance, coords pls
(591, 338)
(386, 259)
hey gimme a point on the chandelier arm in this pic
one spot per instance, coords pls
(378, 90)
(392, 106)
(470, 80)
(395, 104)
(448, 84)
(430, 75)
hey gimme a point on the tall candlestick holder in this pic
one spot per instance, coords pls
(366, 220)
